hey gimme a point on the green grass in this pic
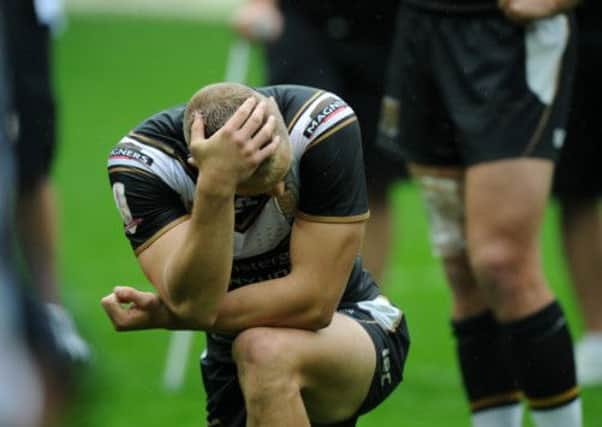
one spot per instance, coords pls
(113, 72)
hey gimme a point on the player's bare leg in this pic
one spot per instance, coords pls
(582, 238)
(377, 239)
(291, 376)
(488, 381)
(505, 203)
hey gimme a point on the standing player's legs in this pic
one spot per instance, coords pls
(481, 346)
(429, 142)
(508, 147)
(289, 376)
(505, 201)
(510, 334)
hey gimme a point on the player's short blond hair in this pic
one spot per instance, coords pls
(217, 103)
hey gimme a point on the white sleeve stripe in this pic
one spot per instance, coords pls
(311, 125)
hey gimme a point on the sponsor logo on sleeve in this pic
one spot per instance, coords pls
(127, 151)
(326, 111)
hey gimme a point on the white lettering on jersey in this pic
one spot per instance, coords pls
(321, 116)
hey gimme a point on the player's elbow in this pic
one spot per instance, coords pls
(193, 315)
(319, 316)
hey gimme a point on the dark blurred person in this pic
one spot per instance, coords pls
(578, 186)
(30, 46)
(340, 46)
(480, 89)
(21, 393)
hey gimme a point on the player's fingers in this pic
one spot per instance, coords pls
(113, 308)
(126, 294)
(109, 300)
(265, 134)
(241, 115)
(267, 150)
(197, 128)
(254, 122)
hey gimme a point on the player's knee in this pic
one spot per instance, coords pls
(264, 363)
(262, 348)
(499, 267)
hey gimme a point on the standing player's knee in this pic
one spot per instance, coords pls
(264, 361)
(499, 268)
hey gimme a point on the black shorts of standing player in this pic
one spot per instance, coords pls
(342, 49)
(29, 43)
(578, 174)
(472, 88)
(225, 402)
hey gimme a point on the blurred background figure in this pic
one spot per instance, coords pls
(20, 383)
(340, 46)
(578, 186)
(30, 46)
(46, 347)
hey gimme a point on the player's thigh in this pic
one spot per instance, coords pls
(339, 357)
(505, 201)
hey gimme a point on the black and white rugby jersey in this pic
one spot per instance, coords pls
(154, 187)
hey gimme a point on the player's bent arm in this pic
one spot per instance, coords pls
(190, 264)
(322, 257)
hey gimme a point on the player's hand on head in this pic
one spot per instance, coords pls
(524, 11)
(130, 309)
(233, 153)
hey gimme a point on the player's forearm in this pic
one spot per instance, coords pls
(198, 276)
(283, 302)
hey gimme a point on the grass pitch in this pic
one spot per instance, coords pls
(111, 73)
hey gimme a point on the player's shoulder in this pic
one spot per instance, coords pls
(311, 114)
(155, 146)
(165, 126)
(290, 98)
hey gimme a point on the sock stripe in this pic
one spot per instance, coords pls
(553, 401)
(497, 400)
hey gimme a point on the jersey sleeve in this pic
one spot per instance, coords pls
(148, 206)
(333, 183)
